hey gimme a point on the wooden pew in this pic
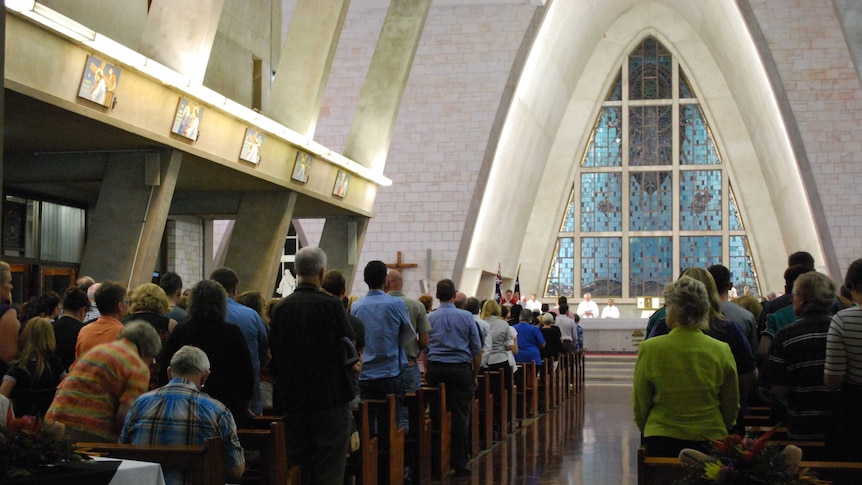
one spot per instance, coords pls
(545, 384)
(417, 445)
(501, 400)
(486, 411)
(362, 464)
(272, 469)
(660, 471)
(441, 432)
(528, 391)
(203, 464)
(475, 435)
(520, 392)
(390, 440)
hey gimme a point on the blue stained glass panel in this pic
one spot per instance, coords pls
(650, 201)
(700, 204)
(616, 92)
(605, 149)
(696, 146)
(650, 135)
(650, 68)
(742, 270)
(699, 251)
(569, 218)
(602, 265)
(601, 202)
(735, 218)
(650, 265)
(561, 276)
(685, 90)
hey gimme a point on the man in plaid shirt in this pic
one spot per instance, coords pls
(180, 414)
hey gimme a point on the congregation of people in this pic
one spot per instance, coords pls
(158, 365)
(709, 356)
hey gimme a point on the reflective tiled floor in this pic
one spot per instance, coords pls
(590, 439)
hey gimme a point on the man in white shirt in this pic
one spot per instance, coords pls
(611, 311)
(588, 308)
(533, 304)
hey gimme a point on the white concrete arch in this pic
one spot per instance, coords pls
(566, 76)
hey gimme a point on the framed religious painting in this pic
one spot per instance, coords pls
(187, 119)
(341, 182)
(99, 82)
(302, 167)
(252, 144)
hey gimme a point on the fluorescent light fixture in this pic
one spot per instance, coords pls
(165, 74)
(51, 19)
(116, 50)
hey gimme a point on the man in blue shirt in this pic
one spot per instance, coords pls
(454, 358)
(387, 331)
(180, 414)
(253, 329)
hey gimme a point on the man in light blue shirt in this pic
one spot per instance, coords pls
(387, 331)
(253, 328)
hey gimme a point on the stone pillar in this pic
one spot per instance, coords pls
(371, 131)
(257, 239)
(126, 225)
(341, 240)
(306, 59)
(180, 35)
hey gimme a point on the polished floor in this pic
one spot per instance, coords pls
(589, 439)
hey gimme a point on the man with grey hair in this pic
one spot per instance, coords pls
(312, 384)
(93, 399)
(180, 414)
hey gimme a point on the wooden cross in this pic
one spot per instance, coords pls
(400, 265)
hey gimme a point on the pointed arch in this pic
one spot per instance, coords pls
(567, 76)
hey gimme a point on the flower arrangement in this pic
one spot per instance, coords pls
(27, 445)
(744, 460)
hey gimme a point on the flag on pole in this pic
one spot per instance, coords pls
(498, 288)
(518, 284)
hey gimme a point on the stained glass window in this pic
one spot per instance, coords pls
(650, 265)
(700, 204)
(605, 148)
(601, 202)
(699, 251)
(670, 177)
(696, 145)
(601, 265)
(650, 201)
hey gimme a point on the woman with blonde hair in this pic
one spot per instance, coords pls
(685, 387)
(36, 372)
(500, 346)
(149, 303)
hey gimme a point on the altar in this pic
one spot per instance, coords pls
(613, 334)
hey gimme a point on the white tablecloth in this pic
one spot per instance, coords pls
(133, 472)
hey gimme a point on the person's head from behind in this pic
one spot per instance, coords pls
(853, 280)
(394, 281)
(375, 274)
(526, 315)
(334, 283)
(75, 303)
(803, 258)
(110, 297)
(446, 290)
(36, 343)
(149, 298)
(793, 272)
(190, 363)
(687, 303)
(721, 275)
(547, 319)
(144, 337)
(564, 309)
(227, 278)
(750, 303)
(515, 311)
(253, 300)
(712, 297)
(472, 305)
(207, 302)
(460, 300)
(490, 307)
(428, 301)
(813, 293)
(310, 263)
(172, 284)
